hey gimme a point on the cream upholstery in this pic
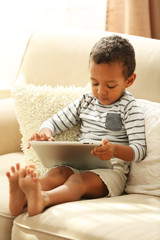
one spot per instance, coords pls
(11, 142)
(94, 219)
(60, 56)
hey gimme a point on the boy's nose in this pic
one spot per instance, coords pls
(102, 91)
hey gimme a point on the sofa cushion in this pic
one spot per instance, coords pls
(125, 217)
(34, 104)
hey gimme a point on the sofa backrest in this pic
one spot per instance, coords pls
(60, 56)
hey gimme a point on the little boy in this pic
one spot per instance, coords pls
(109, 114)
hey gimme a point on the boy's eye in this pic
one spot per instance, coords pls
(94, 84)
(111, 86)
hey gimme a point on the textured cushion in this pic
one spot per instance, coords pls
(34, 104)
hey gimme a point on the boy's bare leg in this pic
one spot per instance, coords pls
(30, 183)
(87, 184)
(55, 177)
(17, 198)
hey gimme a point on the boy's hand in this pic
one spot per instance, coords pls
(105, 151)
(44, 135)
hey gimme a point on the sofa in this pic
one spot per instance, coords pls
(53, 72)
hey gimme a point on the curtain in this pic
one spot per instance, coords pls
(136, 17)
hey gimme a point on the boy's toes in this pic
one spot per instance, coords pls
(30, 171)
(22, 173)
(32, 166)
(17, 166)
(13, 170)
(8, 174)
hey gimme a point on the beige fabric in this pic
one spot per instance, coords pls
(5, 93)
(126, 217)
(134, 17)
(10, 137)
(155, 18)
(113, 179)
(64, 60)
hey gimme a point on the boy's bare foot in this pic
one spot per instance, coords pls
(17, 198)
(30, 185)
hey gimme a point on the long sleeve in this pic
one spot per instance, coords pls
(135, 128)
(64, 119)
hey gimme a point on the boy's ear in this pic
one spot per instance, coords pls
(131, 80)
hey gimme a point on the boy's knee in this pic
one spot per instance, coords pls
(64, 171)
(77, 178)
(60, 171)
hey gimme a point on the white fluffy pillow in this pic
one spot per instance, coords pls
(34, 104)
(144, 177)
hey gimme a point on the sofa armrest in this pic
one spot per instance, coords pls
(10, 137)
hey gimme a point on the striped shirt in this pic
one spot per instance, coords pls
(121, 122)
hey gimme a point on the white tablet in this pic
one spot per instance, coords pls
(74, 154)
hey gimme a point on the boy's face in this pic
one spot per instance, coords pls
(108, 82)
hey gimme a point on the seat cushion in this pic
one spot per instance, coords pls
(126, 217)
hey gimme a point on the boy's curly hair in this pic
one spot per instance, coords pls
(115, 49)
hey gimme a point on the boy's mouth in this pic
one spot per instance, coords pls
(103, 99)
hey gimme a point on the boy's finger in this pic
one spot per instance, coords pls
(43, 137)
(104, 142)
(28, 146)
(37, 137)
(51, 139)
(101, 148)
